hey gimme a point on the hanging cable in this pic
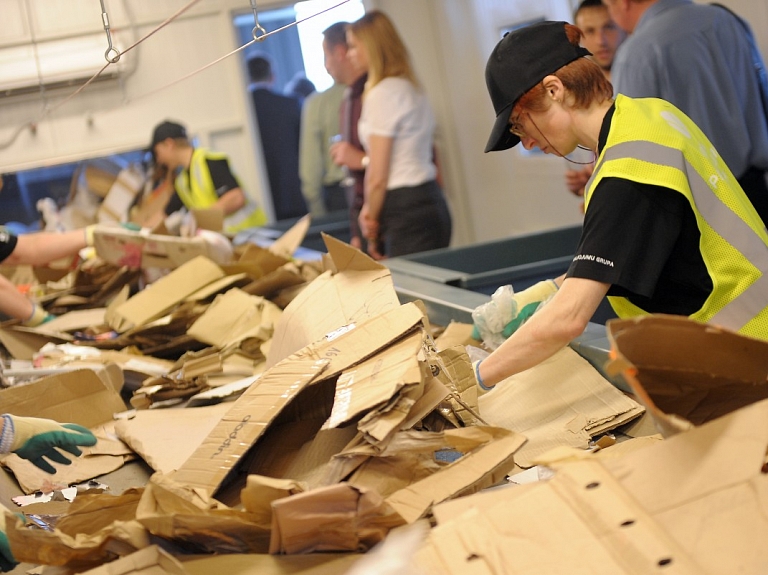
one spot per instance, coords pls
(297, 22)
(235, 51)
(139, 41)
(110, 48)
(257, 27)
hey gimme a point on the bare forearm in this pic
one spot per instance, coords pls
(549, 330)
(44, 247)
(231, 201)
(375, 192)
(13, 303)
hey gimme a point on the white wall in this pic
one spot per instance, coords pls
(119, 116)
(491, 195)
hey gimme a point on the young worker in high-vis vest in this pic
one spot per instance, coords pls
(667, 228)
(204, 179)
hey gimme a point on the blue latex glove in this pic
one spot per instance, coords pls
(34, 439)
(524, 305)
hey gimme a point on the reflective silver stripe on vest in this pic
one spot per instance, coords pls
(721, 219)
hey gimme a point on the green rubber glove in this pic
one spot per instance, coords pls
(7, 560)
(528, 301)
(33, 438)
(513, 308)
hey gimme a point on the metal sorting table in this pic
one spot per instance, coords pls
(335, 224)
(523, 259)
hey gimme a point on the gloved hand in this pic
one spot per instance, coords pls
(33, 438)
(39, 316)
(516, 310)
(7, 560)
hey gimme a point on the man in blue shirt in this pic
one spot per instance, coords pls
(699, 58)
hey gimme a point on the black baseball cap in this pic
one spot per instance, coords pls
(522, 59)
(166, 130)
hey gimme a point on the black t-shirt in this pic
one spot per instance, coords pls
(644, 241)
(222, 178)
(7, 243)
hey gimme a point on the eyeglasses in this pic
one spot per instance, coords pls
(516, 128)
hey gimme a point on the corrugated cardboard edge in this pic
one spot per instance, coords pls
(258, 406)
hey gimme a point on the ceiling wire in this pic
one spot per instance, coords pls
(256, 38)
(32, 124)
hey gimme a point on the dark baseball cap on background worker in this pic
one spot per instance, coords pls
(520, 60)
(163, 131)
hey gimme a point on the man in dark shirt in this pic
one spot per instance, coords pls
(279, 120)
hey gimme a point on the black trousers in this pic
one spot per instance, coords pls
(414, 219)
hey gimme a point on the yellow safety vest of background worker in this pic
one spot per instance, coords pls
(733, 239)
(196, 190)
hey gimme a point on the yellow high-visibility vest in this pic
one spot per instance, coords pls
(652, 142)
(195, 188)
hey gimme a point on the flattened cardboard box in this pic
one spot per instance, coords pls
(686, 372)
(692, 504)
(253, 412)
(562, 401)
(160, 297)
(122, 247)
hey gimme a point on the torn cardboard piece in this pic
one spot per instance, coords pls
(258, 407)
(359, 290)
(691, 503)
(260, 492)
(562, 401)
(486, 457)
(165, 439)
(682, 369)
(79, 396)
(194, 521)
(159, 298)
(372, 384)
(334, 518)
(289, 242)
(233, 317)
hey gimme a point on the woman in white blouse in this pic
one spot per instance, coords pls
(404, 210)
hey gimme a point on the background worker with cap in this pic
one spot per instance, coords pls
(667, 227)
(204, 179)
